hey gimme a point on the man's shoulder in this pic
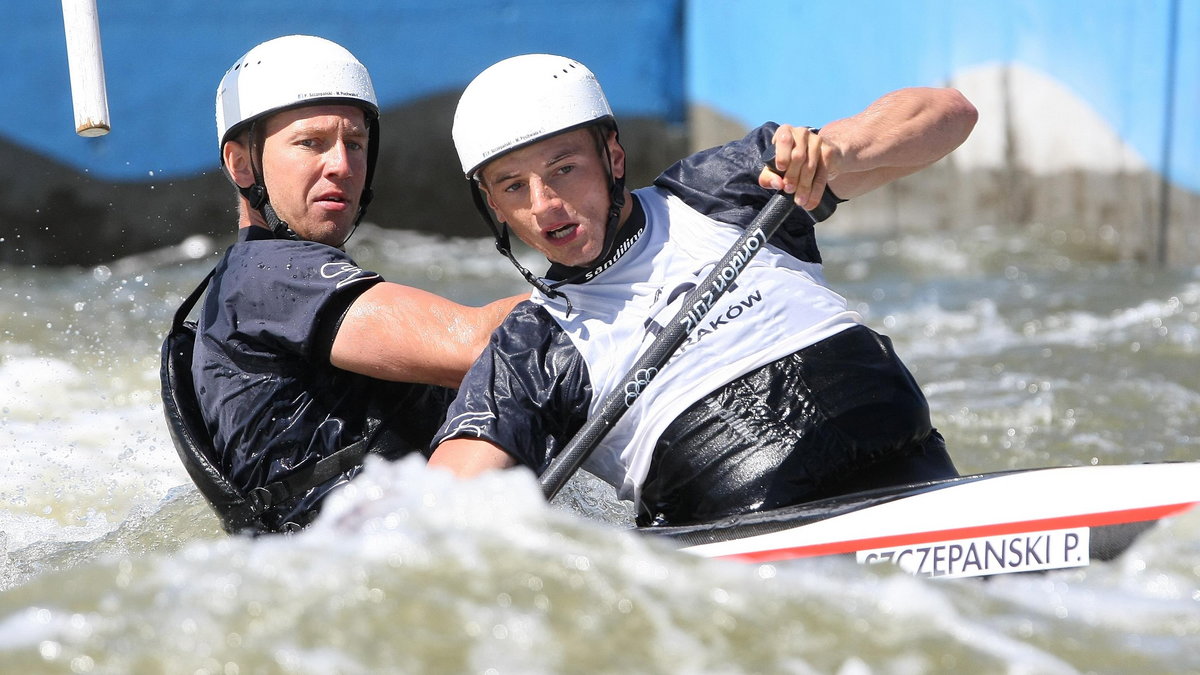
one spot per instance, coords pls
(529, 327)
(259, 246)
(528, 316)
(288, 287)
(297, 259)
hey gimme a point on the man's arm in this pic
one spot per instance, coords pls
(468, 457)
(396, 332)
(897, 135)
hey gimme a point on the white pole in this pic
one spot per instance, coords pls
(82, 26)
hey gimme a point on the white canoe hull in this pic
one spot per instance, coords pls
(978, 525)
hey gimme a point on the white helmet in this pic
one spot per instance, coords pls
(287, 72)
(522, 100)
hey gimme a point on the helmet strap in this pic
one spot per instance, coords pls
(616, 193)
(616, 198)
(616, 202)
(504, 246)
(368, 193)
(256, 194)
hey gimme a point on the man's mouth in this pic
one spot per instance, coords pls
(333, 202)
(561, 232)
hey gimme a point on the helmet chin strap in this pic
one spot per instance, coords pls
(611, 230)
(257, 196)
(504, 246)
(367, 195)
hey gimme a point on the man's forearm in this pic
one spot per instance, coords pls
(900, 133)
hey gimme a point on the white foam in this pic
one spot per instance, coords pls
(76, 461)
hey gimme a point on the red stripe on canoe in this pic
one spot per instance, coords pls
(912, 538)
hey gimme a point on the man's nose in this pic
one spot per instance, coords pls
(337, 160)
(542, 197)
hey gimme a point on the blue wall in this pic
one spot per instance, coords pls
(804, 62)
(830, 59)
(163, 60)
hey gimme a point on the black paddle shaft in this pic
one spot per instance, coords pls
(695, 306)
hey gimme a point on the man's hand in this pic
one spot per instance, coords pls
(804, 163)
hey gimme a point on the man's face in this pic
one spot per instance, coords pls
(315, 165)
(554, 194)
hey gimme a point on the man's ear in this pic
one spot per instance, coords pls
(487, 195)
(237, 163)
(617, 153)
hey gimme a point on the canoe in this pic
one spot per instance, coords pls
(978, 525)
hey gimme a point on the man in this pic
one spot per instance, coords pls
(301, 356)
(780, 396)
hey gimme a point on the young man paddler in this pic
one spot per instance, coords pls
(781, 396)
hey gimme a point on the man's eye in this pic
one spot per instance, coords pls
(513, 187)
(566, 168)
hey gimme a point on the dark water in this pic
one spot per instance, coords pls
(1032, 353)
